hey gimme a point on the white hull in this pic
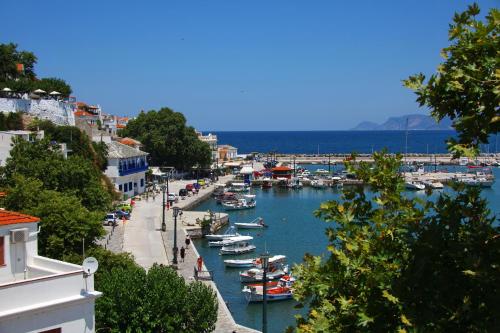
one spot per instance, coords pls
(253, 295)
(415, 186)
(240, 263)
(245, 277)
(239, 250)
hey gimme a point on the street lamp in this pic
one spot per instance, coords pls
(176, 211)
(264, 259)
(163, 225)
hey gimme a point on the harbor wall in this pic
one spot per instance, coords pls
(60, 113)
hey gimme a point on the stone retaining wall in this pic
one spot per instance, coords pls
(60, 113)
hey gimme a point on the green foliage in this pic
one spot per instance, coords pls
(25, 81)
(169, 141)
(75, 176)
(156, 301)
(11, 121)
(453, 277)
(354, 289)
(9, 57)
(466, 87)
(65, 221)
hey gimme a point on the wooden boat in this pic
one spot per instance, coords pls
(245, 202)
(229, 241)
(258, 223)
(237, 248)
(257, 274)
(278, 293)
(253, 262)
(230, 232)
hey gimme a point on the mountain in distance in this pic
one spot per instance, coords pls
(415, 122)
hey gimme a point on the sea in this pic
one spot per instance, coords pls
(342, 142)
(293, 228)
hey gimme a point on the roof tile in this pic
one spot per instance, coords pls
(8, 217)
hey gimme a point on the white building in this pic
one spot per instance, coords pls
(127, 168)
(39, 294)
(6, 138)
(211, 139)
(227, 152)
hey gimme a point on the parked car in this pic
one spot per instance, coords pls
(196, 186)
(189, 187)
(201, 182)
(183, 192)
(122, 214)
(110, 219)
(172, 198)
(125, 207)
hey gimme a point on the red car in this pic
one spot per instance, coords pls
(189, 187)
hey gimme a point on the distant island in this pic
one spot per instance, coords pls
(415, 122)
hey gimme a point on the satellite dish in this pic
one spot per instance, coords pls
(90, 265)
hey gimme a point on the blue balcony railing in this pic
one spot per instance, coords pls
(129, 171)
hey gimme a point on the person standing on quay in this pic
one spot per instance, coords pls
(187, 241)
(200, 263)
(183, 253)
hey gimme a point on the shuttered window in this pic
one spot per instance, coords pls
(2, 252)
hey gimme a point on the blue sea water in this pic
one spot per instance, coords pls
(331, 142)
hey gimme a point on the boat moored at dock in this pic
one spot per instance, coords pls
(258, 223)
(230, 232)
(229, 241)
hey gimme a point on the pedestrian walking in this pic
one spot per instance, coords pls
(187, 241)
(183, 253)
(200, 263)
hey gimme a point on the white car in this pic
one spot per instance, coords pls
(172, 197)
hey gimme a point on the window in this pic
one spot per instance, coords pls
(142, 182)
(130, 185)
(125, 188)
(2, 259)
(120, 187)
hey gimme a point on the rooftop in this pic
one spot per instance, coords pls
(8, 217)
(119, 150)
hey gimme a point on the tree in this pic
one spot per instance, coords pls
(75, 175)
(10, 57)
(64, 221)
(408, 265)
(154, 301)
(168, 140)
(53, 84)
(466, 87)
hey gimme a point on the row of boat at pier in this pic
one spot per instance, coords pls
(279, 281)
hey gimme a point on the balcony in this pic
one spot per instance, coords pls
(133, 169)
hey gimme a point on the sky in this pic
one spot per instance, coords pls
(238, 65)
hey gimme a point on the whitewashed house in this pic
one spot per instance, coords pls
(127, 168)
(6, 138)
(39, 294)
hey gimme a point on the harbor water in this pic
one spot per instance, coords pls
(293, 231)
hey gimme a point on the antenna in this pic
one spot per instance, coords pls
(90, 266)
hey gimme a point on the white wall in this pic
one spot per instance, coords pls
(60, 113)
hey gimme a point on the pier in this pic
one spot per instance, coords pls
(148, 244)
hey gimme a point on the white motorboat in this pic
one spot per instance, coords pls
(485, 182)
(470, 181)
(246, 201)
(318, 183)
(294, 183)
(239, 187)
(230, 232)
(258, 223)
(435, 185)
(414, 185)
(257, 274)
(229, 241)
(239, 247)
(253, 262)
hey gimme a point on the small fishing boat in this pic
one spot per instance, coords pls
(267, 183)
(278, 293)
(257, 274)
(230, 232)
(485, 182)
(239, 187)
(226, 197)
(239, 247)
(253, 262)
(288, 279)
(414, 185)
(229, 241)
(435, 185)
(295, 183)
(258, 223)
(247, 201)
(318, 183)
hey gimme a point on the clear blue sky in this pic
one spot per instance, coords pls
(238, 65)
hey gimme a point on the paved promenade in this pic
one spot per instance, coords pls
(144, 239)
